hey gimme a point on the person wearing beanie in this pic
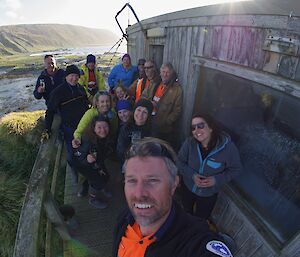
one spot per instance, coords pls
(136, 129)
(124, 73)
(91, 79)
(146, 104)
(124, 110)
(72, 69)
(141, 83)
(89, 161)
(70, 100)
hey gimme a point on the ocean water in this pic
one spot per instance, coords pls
(82, 51)
(16, 95)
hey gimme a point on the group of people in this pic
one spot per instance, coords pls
(137, 119)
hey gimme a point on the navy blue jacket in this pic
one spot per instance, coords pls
(50, 83)
(128, 135)
(222, 162)
(181, 235)
(70, 101)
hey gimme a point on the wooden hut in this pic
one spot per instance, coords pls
(240, 62)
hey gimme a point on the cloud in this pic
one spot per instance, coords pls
(11, 14)
(13, 4)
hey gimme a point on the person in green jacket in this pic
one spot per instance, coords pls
(102, 105)
(90, 77)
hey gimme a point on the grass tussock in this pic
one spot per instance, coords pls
(20, 123)
(19, 137)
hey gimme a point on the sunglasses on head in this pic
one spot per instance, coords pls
(150, 149)
(200, 125)
(103, 92)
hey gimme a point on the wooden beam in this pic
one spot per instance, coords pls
(27, 238)
(284, 85)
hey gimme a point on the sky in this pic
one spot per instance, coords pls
(92, 13)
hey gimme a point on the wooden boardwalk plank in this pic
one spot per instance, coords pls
(94, 234)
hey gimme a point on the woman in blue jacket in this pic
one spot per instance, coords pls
(206, 160)
(125, 73)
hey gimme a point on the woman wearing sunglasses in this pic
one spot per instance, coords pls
(207, 160)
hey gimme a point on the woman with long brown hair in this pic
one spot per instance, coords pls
(89, 161)
(207, 160)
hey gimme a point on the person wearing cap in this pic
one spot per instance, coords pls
(91, 78)
(140, 84)
(50, 78)
(137, 128)
(124, 110)
(89, 159)
(71, 101)
(124, 73)
(153, 224)
(166, 96)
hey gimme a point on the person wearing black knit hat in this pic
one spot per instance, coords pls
(145, 103)
(70, 100)
(138, 128)
(72, 69)
(91, 79)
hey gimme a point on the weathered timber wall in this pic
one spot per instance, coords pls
(231, 38)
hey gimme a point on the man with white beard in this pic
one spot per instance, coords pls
(154, 224)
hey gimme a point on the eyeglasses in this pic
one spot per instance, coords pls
(200, 125)
(148, 68)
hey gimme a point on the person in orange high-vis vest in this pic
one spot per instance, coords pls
(166, 96)
(140, 84)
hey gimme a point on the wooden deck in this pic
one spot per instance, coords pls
(93, 236)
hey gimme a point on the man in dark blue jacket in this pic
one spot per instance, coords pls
(154, 224)
(70, 100)
(49, 79)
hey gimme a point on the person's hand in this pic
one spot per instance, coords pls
(101, 172)
(207, 181)
(154, 104)
(126, 97)
(90, 158)
(76, 142)
(92, 83)
(197, 180)
(41, 89)
(45, 135)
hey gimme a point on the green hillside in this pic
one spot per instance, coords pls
(38, 37)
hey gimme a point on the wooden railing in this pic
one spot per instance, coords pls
(39, 197)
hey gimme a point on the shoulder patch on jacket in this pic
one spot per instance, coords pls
(81, 72)
(218, 248)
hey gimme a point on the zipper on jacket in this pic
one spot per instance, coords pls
(202, 162)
